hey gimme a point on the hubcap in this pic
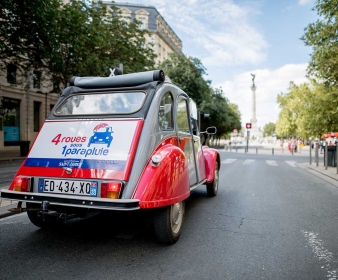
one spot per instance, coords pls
(176, 216)
(216, 180)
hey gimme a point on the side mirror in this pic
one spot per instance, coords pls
(210, 130)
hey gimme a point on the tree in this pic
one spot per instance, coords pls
(323, 38)
(269, 129)
(90, 39)
(25, 31)
(187, 73)
(223, 114)
(76, 38)
(307, 110)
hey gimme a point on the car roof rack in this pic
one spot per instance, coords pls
(126, 80)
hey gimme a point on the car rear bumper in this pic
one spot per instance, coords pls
(74, 201)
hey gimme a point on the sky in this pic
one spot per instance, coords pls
(234, 38)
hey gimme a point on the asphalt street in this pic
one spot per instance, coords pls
(272, 219)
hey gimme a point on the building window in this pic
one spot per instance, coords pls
(143, 22)
(36, 79)
(11, 74)
(11, 121)
(37, 106)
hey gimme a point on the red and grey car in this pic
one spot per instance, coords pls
(121, 143)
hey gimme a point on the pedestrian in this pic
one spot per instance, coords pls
(282, 144)
(298, 144)
(289, 145)
(293, 144)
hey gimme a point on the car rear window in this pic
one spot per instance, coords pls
(101, 103)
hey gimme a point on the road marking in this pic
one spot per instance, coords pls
(272, 162)
(229, 160)
(248, 161)
(324, 255)
(291, 163)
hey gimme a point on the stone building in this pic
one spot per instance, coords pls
(25, 101)
(163, 38)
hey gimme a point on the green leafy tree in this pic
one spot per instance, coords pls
(322, 37)
(307, 110)
(223, 114)
(76, 38)
(187, 73)
(25, 31)
(90, 39)
(269, 129)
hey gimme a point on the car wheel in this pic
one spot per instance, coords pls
(168, 223)
(40, 222)
(212, 187)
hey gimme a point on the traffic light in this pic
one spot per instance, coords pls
(248, 125)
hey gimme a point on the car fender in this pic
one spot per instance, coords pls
(211, 156)
(164, 184)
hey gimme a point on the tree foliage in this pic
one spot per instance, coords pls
(269, 129)
(223, 114)
(308, 110)
(187, 73)
(25, 32)
(99, 41)
(322, 36)
(76, 38)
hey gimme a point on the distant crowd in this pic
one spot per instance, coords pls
(296, 144)
(293, 144)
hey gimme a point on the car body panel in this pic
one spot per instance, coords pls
(166, 183)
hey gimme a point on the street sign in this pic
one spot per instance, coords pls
(248, 125)
(248, 132)
(235, 131)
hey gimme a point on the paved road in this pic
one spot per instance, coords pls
(271, 220)
(7, 171)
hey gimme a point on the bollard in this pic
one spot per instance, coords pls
(273, 151)
(256, 150)
(337, 158)
(310, 153)
(326, 157)
(292, 149)
(316, 155)
(230, 148)
(236, 149)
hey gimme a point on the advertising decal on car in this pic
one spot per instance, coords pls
(83, 144)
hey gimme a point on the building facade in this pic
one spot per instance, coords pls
(162, 37)
(25, 101)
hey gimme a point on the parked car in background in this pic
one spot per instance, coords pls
(122, 143)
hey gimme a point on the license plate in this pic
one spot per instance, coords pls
(86, 188)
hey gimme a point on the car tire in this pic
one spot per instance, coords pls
(212, 187)
(39, 222)
(168, 223)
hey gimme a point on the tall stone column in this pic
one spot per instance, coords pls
(255, 133)
(253, 119)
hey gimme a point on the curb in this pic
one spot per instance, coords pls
(5, 213)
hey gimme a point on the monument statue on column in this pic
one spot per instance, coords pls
(254, 132)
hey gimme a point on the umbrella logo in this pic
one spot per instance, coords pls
(102, 134)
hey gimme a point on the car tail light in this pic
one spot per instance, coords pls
(21, 184)
(110, 189)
